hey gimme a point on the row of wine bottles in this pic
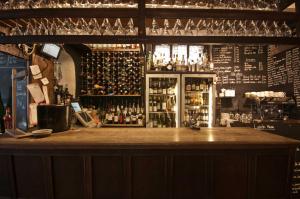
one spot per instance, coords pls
(162, 120)
(111, 73)
(123, 114)
(165, 86)
(162, 103)
(199, 116)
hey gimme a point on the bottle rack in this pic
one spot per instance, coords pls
(109, 73)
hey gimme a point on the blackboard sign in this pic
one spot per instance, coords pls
(11, 61)
(284, 71)
(21, 109)
(240, 64)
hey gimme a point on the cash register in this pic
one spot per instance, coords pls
(84, 117)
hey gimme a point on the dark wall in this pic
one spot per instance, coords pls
(7, 63)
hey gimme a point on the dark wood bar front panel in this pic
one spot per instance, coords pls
(217, 174)
(142, 164)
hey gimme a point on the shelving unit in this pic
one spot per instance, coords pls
(141, 14)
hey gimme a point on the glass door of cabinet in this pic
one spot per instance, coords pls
(198, 100)
(162, 100)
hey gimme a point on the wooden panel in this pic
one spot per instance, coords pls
(68, 177)
(272, 177)
(230, 176)
(149, 177)
(108, 177)
(5, 182)
(190, 177)
(30, 181)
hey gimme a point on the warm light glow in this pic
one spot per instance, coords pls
(211, 137)
(210, 107)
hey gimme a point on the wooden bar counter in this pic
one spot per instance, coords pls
(229, 163)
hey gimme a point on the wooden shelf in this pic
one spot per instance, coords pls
(178, 72)
(221, 14)
(223, 40)
(110, 95)
(122, 125)
(70, 12)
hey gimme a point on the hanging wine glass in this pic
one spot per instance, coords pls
(201, 3)
(189, 3)
(130, 29)
(274, 5)
(263, 29)
(107, 3)
(178, 3)
(252, 29)
(118, 27)
(106, 27)
(155, 28)
(261, 5)
(93, 27)
(177, 27)
(131, 3)
(217, 27)
(201, 27)
(242, 4)
(190, 28)
(53, 28)
(153, 3)
(286, 30)
(166, 29)
(167, 3)
(118, 3)
(29, 29)
(241, 28)
(275, 30)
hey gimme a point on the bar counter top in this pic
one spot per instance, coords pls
(135, 138)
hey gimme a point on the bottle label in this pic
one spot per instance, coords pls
(116, 119)
(164, 106)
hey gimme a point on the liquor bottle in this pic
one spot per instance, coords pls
(116, 115)
(150, 123)
(139, 114)
(2, 126)
(150, 104)
(158, 104)
(193, 85)
(169, 66)
(159, 122)
(154, 87)
(188, 86)
(164, 87)
(109, 117)
(163, 121)
(155, 121)
(8, 118)
(154, 102)
(159, 89)
(164, 104)
(134, 115)
(128, 120)
(150, 86)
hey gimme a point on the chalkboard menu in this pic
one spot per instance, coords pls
(284, 72)
(240, 64)
(11, 61)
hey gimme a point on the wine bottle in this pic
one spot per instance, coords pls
(150, 104)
